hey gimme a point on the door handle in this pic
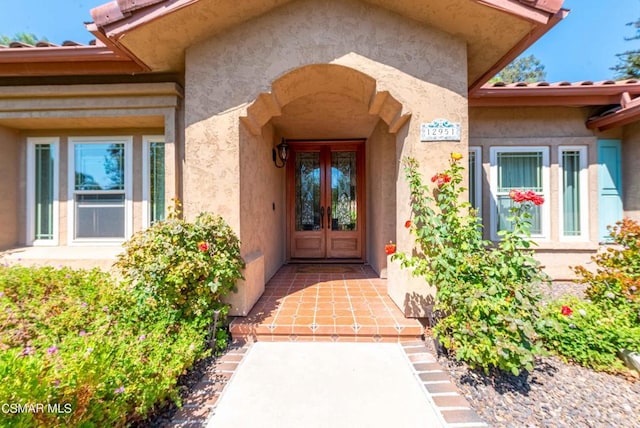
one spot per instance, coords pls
(321, 217)
(329, 217)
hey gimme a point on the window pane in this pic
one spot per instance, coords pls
(44, 191)
(100, 216)
(99, 166)
(156, 182)
(505, 203)
(472, 181)
(521, 170)
(571, 192)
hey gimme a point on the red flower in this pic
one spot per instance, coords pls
(441, 179)
(407, 224)
(566, 311)
(203, 246)
(389, 249)
(529, 195)
(517, 196)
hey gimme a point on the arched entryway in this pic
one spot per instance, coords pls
(343, 135)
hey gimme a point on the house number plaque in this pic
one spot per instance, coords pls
(440, 130)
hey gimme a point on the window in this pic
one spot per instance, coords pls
(154, 179)
(475, 179)
(100, 189)
(519, 168)
(572, 162)
(42, 191)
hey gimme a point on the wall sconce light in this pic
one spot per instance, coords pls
(280, 152)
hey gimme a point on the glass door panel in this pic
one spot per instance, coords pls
(307, 191)
(344, 200)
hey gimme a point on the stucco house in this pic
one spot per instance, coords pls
(200, 99)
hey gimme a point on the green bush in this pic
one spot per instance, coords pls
(592, 332)
(487, 295)
(107, 353)
(67, 338)
(589, 334)
(182, 267)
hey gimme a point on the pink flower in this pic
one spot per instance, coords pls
(82, 333)
(119, 390)
(27, 351)
(52, 350)
(142, 337)
(566, 311)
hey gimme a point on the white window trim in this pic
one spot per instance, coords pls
(584, 193)
(128, 185)
(31, 190)
(493, 182)
(478, 176)
(146, 178)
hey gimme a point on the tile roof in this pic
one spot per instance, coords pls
(47, 44)
(563, 83)
(117, 10)
(619, 100)
(582, 93)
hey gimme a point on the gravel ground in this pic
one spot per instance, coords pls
(559, 289)
(556, 394)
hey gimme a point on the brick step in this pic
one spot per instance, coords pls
(242, 329)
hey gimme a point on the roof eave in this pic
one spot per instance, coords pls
(58, 60)
(518, 48)
(60, 54)
(624, 116)
(578, 95)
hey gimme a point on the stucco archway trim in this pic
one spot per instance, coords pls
(324, 78)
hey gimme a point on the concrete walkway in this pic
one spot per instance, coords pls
(333, 385)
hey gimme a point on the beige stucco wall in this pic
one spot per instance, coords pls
(630, 171)
(424, 69)
(9, 173)
(262, 200)
(382, 174)
(550, 127)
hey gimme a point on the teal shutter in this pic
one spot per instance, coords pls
(609, 186)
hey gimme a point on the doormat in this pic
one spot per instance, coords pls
(328, 269)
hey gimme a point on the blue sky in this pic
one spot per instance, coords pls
(582, 47)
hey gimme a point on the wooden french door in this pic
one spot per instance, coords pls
(326, 200)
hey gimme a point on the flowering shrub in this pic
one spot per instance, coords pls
(617, 280)
(588, 334)
(181, 266)
(487, 295)
(69, 339)
(610, 321)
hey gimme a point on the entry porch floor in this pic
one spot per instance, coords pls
(330, 302)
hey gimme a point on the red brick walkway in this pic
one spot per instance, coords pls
(326, 303)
